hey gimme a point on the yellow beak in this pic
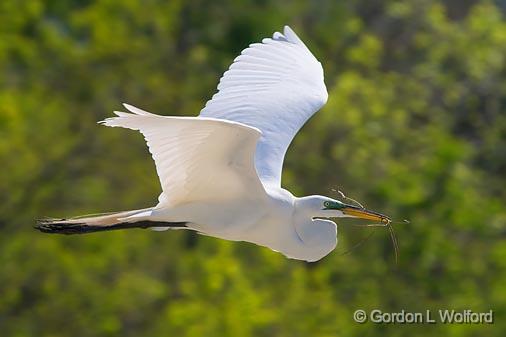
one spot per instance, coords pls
(361, 213)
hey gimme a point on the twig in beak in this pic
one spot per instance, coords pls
(392, 236)
(348, 198)
(358, 244)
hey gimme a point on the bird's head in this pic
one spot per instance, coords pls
(318, 206)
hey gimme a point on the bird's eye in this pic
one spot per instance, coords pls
(326, 204)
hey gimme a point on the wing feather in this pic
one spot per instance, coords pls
(197, 159)
(275, 86)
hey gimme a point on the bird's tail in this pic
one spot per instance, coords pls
(104, 222)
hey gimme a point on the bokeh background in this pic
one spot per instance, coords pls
(415, 127)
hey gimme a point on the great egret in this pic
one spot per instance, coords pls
(220, 172)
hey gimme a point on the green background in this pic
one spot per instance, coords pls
(415, 127)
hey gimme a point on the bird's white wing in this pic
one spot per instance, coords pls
(275, 86)
(197, 159)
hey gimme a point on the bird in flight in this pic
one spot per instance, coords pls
(220, 172)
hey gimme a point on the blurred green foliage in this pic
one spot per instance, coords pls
(415, 127)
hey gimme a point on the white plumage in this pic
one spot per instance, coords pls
(221, 172)
(275, 86)
(197, 158)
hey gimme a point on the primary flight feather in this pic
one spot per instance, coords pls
(220, 172)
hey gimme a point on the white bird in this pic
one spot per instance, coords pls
(220, 172)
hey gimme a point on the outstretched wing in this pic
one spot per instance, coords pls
(275, 86)
(197, 159)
